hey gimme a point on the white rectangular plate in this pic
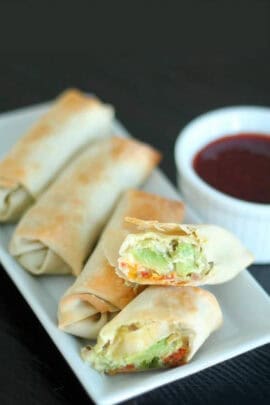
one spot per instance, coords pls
(245, 305)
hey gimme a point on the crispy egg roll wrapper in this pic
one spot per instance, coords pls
(161, 310)
(98, 290)
(56, 234)
(73, 121)
(225, 254)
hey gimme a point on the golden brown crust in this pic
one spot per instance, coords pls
(124, 145)
(153, 206)
(63, 204)
(101, 305)
(168, 228)
(102, 281)
(158, 312)
(11, 183)
(185, 299)
(13, 168)
(98, 277)
(56, 220)
(75, 100)
(147, 206)
(189, 306)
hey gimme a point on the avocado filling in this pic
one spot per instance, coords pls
(165, 255)
(113, 357)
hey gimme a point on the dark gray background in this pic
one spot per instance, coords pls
(161, 65)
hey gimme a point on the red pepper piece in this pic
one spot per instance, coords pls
(176, 358)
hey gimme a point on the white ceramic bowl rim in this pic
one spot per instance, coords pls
(223, 199)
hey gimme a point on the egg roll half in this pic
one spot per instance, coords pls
(162, 327)
(57, 234)
(98, 292)
(72, 121)
(173, 254)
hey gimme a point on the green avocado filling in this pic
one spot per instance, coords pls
(103, 359)
(164, 255)
(152, 357)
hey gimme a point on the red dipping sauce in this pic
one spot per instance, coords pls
(237, 165)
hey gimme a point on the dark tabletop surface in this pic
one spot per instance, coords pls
(204, 57)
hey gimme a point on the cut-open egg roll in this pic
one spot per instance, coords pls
(161, 327)
(174, 254)
(98, 292)
(72, 121)
(57, 234)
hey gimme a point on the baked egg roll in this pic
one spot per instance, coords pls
(162, 327)
(73, 120)
(174, 254)
(98, 292)
(56, 235)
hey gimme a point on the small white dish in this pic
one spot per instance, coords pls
(244, 304)
(249, 221)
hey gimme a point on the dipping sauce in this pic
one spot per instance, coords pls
(237, 165)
